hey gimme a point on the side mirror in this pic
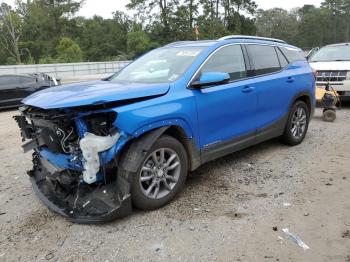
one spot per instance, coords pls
(211, 78)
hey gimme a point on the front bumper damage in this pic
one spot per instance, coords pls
(83, 203)
(83, 184)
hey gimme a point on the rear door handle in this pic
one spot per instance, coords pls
(290, 79)
(248, 89)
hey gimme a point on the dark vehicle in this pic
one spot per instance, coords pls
(13, 88)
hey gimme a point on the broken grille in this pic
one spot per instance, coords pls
(331, 76)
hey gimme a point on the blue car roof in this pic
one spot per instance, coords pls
(209, 43)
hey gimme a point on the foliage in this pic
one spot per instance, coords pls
(138, 43)
(47, 60)
(308, 26)
(48, 31)
(68, 51)
(10, 32)
(277, 23)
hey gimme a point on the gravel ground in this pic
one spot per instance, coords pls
(232, 209)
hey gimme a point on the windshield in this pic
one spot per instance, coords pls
(159, 66)
(332, 53)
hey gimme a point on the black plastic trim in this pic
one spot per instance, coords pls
(125, 209)
(132, 157)
(219, 150)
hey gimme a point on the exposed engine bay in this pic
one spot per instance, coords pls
(74, 162)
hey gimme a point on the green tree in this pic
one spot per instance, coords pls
(104, 39)
(339, 19)
(160, 14)
(68, 51)
(138, 43)
(45, 22)
(277, 23)
(10, 32)
(313, 27)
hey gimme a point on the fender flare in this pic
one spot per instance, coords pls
(164, 123)
(133, 154)
(298, 96)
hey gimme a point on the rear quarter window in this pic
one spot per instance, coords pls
(293, 54)
(283, 60)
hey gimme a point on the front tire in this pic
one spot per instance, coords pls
(161, 175)
(297, 124)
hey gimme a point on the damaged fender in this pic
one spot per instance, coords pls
(132, 158)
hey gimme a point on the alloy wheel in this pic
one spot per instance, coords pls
(160, 173)
(299, 121)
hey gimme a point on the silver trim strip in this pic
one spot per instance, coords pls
(228, 37)
(219, 48)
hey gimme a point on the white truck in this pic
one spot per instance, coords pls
(332, 65)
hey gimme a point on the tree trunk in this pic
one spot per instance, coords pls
(217, 9)
(10, 44)
(191, 13)
(163, 11)
(211, 9)
(347, 32)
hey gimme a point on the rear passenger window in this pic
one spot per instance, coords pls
(293, 54)
(264, 59)
(229, 60)
(283, 60)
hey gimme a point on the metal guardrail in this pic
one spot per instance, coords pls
(62, 71)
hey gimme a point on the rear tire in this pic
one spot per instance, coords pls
(297, 124)
(161, 175)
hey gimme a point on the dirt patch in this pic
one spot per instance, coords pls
(232, 209)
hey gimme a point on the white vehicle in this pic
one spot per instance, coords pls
(332, 64)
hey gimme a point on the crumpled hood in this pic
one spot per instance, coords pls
(92, 93)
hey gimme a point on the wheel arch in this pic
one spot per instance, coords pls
(135, 150)
(306, 98)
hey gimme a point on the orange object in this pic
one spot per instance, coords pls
(196, 30)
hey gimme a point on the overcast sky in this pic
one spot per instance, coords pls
(105, 8)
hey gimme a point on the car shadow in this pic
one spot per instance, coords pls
(231, 159)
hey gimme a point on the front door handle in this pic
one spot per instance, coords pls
(248, 89)
(290, 79)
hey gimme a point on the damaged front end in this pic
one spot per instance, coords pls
(74, 162)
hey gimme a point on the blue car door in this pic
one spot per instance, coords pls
(274, 88)
(227, 112)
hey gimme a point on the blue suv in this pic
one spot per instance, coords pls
(101, 147)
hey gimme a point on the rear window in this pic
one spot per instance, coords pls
(264, 59)
(293, 54)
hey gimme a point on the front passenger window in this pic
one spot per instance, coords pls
(228, 59)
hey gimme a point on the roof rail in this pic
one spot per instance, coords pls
(178, 42)
(252, 38)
